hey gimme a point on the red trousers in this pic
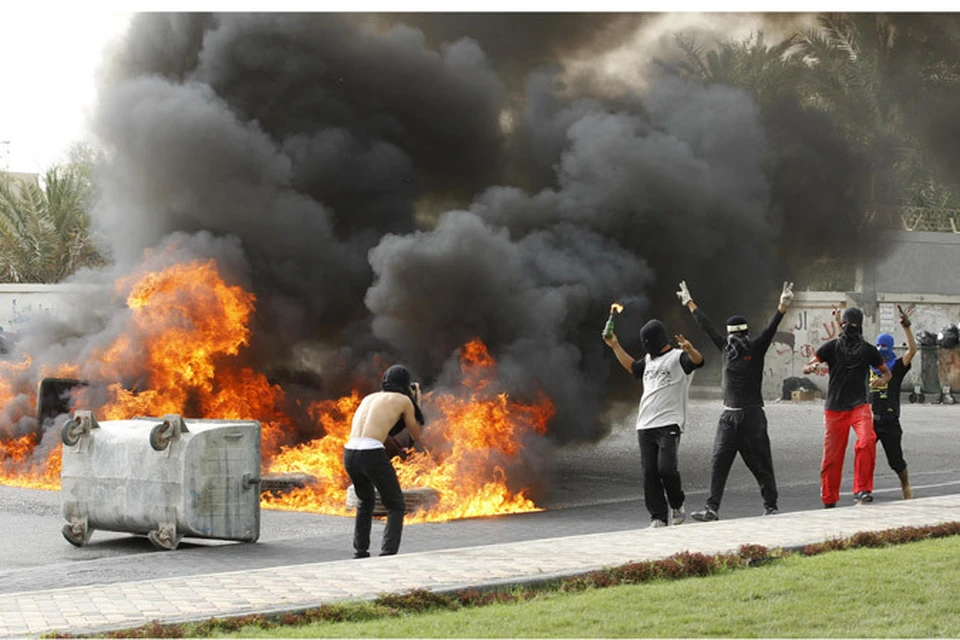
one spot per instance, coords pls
(837, 430)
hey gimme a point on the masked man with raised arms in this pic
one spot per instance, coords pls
(666, 374)
(849, 357)
(743, 424)
(380, 415)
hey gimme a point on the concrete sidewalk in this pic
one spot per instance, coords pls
(106, 607)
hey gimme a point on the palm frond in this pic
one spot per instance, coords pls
(693, 54)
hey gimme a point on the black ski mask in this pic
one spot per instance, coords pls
(738, 340)
(852, 321)
(851, 337)
(654, 337)
(397, 379)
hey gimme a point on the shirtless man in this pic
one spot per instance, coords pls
(380, 415)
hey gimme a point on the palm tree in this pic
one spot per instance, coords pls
(869, 72)
(766, 72)
(45, 230)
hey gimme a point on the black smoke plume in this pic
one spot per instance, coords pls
(307, 154)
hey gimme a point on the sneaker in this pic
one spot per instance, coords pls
(829, 505)
(771, 511)
(656, 523)
(361, 554)
(864, 497)
(679, 515)
(707, 515)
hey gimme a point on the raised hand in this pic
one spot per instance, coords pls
(905, 316)
(786, 296)
(684, 293)
(838, 316)
(609, 338)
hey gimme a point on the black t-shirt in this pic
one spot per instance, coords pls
(849, 385)
(743, 374)
(886, 400)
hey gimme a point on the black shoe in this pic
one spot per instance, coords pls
(771, 511)
(864, 497)
(388, 553)
(706, 515)
(361, 554)
(829, 505)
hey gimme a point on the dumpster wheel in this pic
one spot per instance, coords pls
(948, 398)
(159, 440)
(164, 540)
(77, 533)
(70, 432)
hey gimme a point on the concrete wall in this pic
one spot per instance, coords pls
(809, 323)
(919, 269)
(21, 304)
(917, 262)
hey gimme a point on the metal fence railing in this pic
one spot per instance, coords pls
(929, 219)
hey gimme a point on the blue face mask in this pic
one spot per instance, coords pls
(885, 347)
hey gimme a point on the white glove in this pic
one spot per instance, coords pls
(684, 293)
(786, 297)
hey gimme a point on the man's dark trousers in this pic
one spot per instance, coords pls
(658, 457)
(743, 431)
(889, 433)
(369, 468)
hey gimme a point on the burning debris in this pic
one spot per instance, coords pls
(414, 500)
(332, 194)
(182, 352)
(280, 483)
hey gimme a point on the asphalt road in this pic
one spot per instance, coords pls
(595, 488)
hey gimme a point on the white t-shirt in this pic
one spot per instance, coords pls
(665, 391)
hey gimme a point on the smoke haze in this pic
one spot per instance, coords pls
(307, 154)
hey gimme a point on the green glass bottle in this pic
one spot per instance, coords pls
(608, 329)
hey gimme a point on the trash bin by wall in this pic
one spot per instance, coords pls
(949, 368)
(930, 369)
(167, 478)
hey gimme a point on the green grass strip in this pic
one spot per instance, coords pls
(872, 589)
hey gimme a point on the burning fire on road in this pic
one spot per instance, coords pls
(181, 351)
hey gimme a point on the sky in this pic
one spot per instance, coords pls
(49, 79)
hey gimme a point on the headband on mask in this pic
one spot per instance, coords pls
(736, 324)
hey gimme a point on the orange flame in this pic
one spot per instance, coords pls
(477, 436)
(18, 398)
(18, 469)
(179, 354)
(616, 308)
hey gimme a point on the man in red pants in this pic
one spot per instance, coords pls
(849, 358)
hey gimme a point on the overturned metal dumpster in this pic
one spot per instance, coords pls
(166, 478)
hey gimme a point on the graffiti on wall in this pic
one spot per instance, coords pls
(19, 311)
(813, 327)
